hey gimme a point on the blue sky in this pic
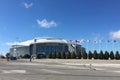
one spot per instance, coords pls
(68, 19)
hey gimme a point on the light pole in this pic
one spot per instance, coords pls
(33, 51)
(16, 51)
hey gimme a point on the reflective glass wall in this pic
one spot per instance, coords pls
(46, 48)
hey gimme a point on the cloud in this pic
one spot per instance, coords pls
(115, 34)
(45, 24)
(28, 5)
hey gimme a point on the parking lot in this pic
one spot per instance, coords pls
(58, 69)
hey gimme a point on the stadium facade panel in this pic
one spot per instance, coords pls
(44, 46)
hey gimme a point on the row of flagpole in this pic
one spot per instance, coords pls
(94, 42)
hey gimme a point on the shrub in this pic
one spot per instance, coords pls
(90, 55)
(68, 55)
(3, 57)
(26, 56)
(54, 55)
(79, 55)
(58, 55)
(95, 55)
(49, 55)
(106, 56)
(73, 55)
(112, 55)
(101, 55)
(117, 55)
(85, 55)
(63, 56)
(39, 56)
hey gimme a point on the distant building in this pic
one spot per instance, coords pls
(44, 46)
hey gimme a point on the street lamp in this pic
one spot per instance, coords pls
(34, 49)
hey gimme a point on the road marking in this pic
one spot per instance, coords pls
(13, 71)
(52, 71)
(116, 71)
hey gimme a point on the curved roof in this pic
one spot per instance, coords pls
(41, 40)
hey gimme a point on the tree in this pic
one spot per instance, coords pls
(68, 55)
(112, 55)
(73, 55)
(54, 55)
(90, 55)
(101, 55)
(58, 55)
(95, 55)
(85, 55)
(26, 56)
(117, 55)
(79, 55)
(106, 56)
(63, 56)
(3, 57)
(50, 55)
(21, 56)
(39, 56)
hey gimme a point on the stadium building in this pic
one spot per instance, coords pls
(44, 46)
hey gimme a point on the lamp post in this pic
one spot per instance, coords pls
(35, 40)
(16, 47)
(30, 52)
(14, 52)
(34, 49)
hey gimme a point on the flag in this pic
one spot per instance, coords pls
(108, 41)
(95, 41)
(88, 41)
(114, 41)
(77, 41)
(100, 41)
(82, 41)
(35, 40)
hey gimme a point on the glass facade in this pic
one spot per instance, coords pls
(45, 48)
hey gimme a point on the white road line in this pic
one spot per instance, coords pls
(52, 71)
(13, 71)
(116, 71)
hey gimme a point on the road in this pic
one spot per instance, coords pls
(40, 70)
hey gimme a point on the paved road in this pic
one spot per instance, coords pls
(24, 70)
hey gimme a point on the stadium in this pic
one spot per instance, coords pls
(44, 46)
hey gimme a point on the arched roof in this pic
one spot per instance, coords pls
(41, 40)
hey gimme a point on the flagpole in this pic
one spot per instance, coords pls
(81, 41)
(99, 44)
(114, 41)
(93, 46)
(99, 47)
(75, 47)
(87, 46)
(95, 42)
(113, 46)
(106, 46)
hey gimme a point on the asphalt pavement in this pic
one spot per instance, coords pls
(57, 70)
